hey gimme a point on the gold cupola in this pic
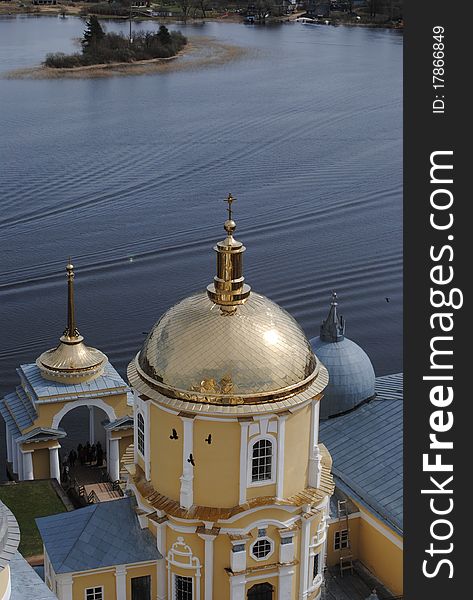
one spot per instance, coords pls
(227, 346)
(71, 361)
(229, 288)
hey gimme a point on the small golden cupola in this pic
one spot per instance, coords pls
(229, 288)
(71, 361)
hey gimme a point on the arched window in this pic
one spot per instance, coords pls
(262, 460)
(140, 426)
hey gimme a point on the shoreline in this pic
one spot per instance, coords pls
(75, 11)
(200, 52)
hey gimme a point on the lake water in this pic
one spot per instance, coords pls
(128, 176)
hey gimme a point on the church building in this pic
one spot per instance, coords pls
(228, 492)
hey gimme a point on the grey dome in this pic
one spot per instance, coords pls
(351, 374)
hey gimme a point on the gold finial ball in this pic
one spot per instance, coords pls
(70, 268)
(229, 226)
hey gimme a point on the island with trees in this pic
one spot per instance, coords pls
(99, 47)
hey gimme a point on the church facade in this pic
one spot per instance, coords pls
(228, 493)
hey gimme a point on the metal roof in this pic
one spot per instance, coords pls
(107, 383)
(100, 535)
(26, 584)
(366, 447)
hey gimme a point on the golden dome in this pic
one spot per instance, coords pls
(227, 345)
(256, 352)
(71, 361)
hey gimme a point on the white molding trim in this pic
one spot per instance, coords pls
(287, 509)
(270, 553)
(85, 402)
(187, 477)
(280, 463)
(244, 425)
(141, 454)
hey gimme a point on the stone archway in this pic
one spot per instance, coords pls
(261, 591)
(89, 402)
(82, 421)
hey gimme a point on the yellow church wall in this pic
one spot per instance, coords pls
(197, 546)
(41, 463)
(333, 556)
(258, 491)
(273, 557)
(381, 555)
(125, 441)
(39, 445)
(220, 459)
(297, 440)
(141, 571)
(94, 579)
(46, 412)
(222, 552)
(4, 580)
(263, 514)
(165, 453)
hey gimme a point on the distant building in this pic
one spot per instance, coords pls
(318, 8)
(67, 377)
(362, 428)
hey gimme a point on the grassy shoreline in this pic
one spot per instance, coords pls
(199, 53)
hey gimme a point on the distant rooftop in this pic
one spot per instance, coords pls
(366, 447)
(100, 535)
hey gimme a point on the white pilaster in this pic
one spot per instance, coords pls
(314, 423)
(208, 565)
(243, 460)
(28, 473)
(187, 478)
(92, 425)
(114, 459)
(281, 442)
(146, 409)
(64, 587)
(54, 466)
(304, 554)
(286, 575)
(9, 444)
(15, 456)
(161, 545)
(120, 582)
(237, 587)
(315, 457)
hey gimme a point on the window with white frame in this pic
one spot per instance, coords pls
(262, 460)
(94, 593)
(140, 427)
(341, 539)
(261, 549)
(182, 588)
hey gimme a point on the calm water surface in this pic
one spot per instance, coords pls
(128, 175)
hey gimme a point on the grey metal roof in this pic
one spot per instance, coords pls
(125, 422)
(366, 447)
(26, 583)
(42, 434)
(351, 375)
(109, 382)
(100, 535)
